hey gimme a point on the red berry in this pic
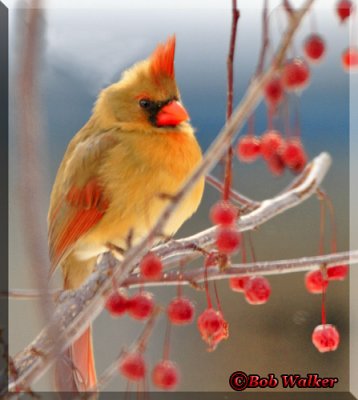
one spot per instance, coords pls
(314, 48)
(350, 59)
(325, 338)
(344, 9)
(212, 327)
(337, 273)
(314, 282)
(151, 266)
(141, 305)
(273, 91)
(116, 304)
(248, 148)
(132, 366)
(257, 290)
(180, 311)
(165, 375)
(271, 143)
(295, 74)
(216, 338)
(276, 165)
(237, 283)
(228, 239)
(223, 213)
(293, 153)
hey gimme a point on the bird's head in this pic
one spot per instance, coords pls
(147, 94)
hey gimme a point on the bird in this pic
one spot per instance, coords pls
(117, 175)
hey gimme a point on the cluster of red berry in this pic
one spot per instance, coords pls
(180, 311)
(325, 337)
(165, 374)
(277, 151)
(256, 289)
(228, 238)
(345, 9)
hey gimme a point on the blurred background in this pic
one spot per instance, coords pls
(86, 46)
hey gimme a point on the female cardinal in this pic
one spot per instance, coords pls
(136, 147)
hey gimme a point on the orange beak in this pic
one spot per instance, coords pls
(172, 114)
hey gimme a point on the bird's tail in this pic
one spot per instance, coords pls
(81, 354)
(75, 369)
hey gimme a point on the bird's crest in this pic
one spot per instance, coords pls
(162, 59)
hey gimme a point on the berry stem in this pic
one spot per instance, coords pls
(251, 124)
(322, 225)
(323, 307)
(286, 119)
(252, 250)
(234, 196)
(180, 286)
(297, 130)
(166, 346)
(333, 223)
(217, 296)
(270, 112)
(208, 299)
(243, 248)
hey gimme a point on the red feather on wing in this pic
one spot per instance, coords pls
(87, 207)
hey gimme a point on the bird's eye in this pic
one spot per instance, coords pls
(144, 103)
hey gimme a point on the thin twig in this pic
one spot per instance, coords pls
(112, 369)
(230, 96)
(265, 41)
(287, 6)
(236, 197)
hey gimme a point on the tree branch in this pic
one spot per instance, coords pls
(177, 276)
(277, 267)
(230, 96)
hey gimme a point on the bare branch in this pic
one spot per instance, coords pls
(230, 96)
(177, 276)
(276, 267)
(265, 39)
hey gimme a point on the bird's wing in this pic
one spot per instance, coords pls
(78, 201)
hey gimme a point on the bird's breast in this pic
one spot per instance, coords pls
(140, 177)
